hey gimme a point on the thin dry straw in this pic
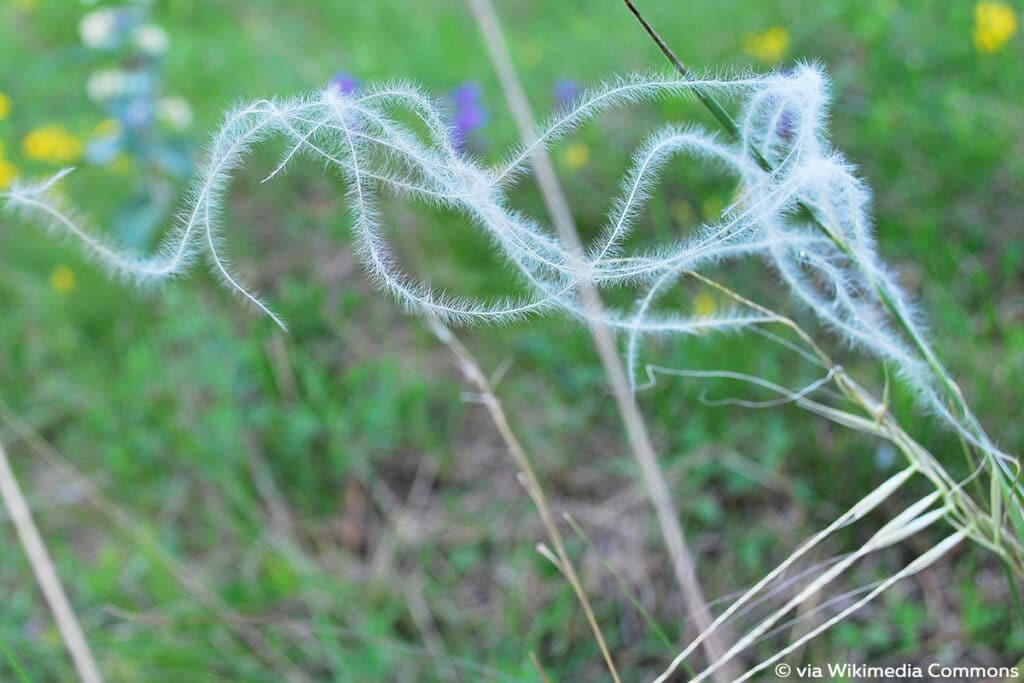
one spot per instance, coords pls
(118, 517)
(615, 373)
(904, 524)
(919, 564)
(531, 483)
(858, 511)
(46, 575)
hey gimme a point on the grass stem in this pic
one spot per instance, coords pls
(46, 574)
(471, 369)
(604, 341)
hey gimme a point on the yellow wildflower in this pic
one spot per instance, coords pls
(8, 172)
(994, 24)
(768, 46)
(52, 144)
(107, 128)
(704, 305)
(5, 106)
(122, 164)
(577, 155)
(682, 212)
(62, 279)
(712, 207)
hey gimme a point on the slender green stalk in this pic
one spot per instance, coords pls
(729, 125)
(986, 530)
(15, 663)
(952, 391)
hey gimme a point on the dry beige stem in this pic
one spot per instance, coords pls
(636, 429)
(46, 575)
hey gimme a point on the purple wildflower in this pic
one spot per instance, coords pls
(138, 114)
(469, 114)
(788, 120)
(467, 94)
(566, 92)
(786, 127)
(345, 82)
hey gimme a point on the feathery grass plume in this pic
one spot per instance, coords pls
(800, 207)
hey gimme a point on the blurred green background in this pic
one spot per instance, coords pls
(325, 500)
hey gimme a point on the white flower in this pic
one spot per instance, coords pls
(174, 111)
(151, 39)
(98, 28)
(104, 85)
